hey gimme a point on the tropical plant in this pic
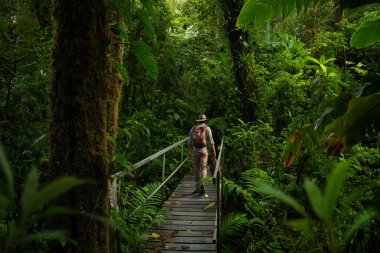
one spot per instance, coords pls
(233, 225)
(129, 12)
(324, 206)
(20, 216)
(139, 212)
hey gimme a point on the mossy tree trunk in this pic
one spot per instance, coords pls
(114, 81)
(236, 38)
(78, 125)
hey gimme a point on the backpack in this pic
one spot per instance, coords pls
(199, 136)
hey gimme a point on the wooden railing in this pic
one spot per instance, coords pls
(117, 176)
(218, 176)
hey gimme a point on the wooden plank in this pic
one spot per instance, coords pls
(187, 239)
(186, 246)
(187, 227)
(189, 209)
(184, 233)
(197, 198)
(202, 251)
(206, 214)
(176, 251)
(188, 202)
(190, 224)
(187, 222)
(193, 218)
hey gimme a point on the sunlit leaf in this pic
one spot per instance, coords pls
(259, 11)
(367, 34)
(155, 235)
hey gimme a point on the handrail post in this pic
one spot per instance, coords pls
(163, 179)
(181, 160)
(218, 213)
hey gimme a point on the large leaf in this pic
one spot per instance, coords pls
(302, 225)
(269, 190)
(146, 57)
(29, 193)
(45, 235)
(260, 11)
(367, 34)
(334, 186)
(7, 171)
(32, 199)
(349, 129)
(315, 199)
(147, 24)
(148, 4)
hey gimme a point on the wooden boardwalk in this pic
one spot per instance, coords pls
(191, 222)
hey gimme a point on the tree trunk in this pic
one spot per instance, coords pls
(113, 79)
(236, 37)
(78, 124)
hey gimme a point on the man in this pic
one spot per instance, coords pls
(200, 136)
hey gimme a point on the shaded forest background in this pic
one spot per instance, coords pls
(87, 89)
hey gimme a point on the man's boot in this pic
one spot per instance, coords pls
(202, 191)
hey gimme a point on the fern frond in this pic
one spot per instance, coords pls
(233, 224)
(139, 210)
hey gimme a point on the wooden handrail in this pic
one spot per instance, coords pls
(115, 177)
(218, 175)
(150, 158)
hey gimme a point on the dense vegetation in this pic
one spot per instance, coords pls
(88, 89)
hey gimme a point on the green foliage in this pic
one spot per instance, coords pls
(144, 54)
(324, 206)
(128, 13)
(233, 224)
(137, 216)
(123, 72)
(259, 12)
(262, 11)
(17, 219)
(367, 34)
(250, 145)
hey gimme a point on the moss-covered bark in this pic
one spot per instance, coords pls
(113, 78)
(237, 38)
(78, 125)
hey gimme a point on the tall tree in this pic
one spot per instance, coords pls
(78, 125)
(237, 38)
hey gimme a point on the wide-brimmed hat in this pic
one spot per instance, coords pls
(201, 118)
